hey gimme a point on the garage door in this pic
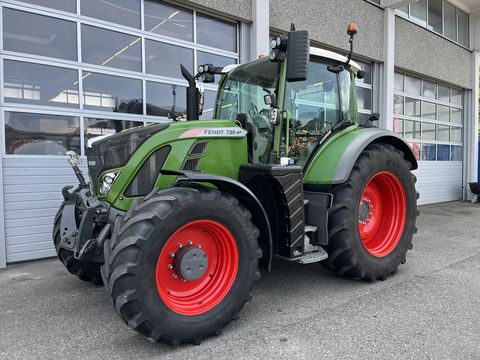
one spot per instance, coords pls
(32, 195)
(429, 115)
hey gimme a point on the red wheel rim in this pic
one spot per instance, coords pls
(194, 297)
(382, 214)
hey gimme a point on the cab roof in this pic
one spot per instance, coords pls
(327, 54)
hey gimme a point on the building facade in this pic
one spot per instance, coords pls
(71, 70)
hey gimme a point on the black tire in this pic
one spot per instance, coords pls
(132, 253)
(347, 254)
(86, 271)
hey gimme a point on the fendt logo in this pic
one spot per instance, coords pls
(214, 132)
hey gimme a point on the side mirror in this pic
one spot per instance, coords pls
(374, 117)
(361, 74)
(270, 99)
(298, 55)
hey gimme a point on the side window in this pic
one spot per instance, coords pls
(314, 108)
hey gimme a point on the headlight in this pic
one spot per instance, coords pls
(107, 181)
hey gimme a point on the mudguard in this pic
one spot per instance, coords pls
(334, 160)
(246, 197)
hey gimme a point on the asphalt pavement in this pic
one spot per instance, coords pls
(429, 310)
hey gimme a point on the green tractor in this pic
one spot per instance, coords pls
(178, 217)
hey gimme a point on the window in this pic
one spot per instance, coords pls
(169, 20)
(450, 16)
(39, 35)
(216, 33)
(463, 30)
(124, 12)
(112, 93)
(97, 127)
(41, 134)
(64, 5)
(164, 59)
(28, 83)
(127, 63)
(167, 100)
(364, 93)
(431, 122)
(439, 16)
(418, 12)
(111, 48)
(435, 18)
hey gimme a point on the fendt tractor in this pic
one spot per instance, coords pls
(178, 217)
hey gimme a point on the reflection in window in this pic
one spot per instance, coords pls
(209, 105)
(428, 131)
(435, 20)
(443, 93)
(40, 35)
(443, 113)
(412, 107)
(456, 116)
(39, 134)
(429, 89)
(36, 84)
(429, 152)
(97, 127)
(398, 127)
(418, 12)
(124, 12)
(398, 86)
(398, 105)
(463, 30)
(428, 110)
(416, 148)
(164, 59)
(216, 33)
(169, 20)
(413, 85)
(364, 98)
(166, 100)
(443, 133)
(455, 134)
(456, 153)
(64, 5)
(450, 16)
(443, 152)
(111, 48)
(112, 93)
(412, 129)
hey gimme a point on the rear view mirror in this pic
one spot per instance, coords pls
(270, 99)
(298, 55)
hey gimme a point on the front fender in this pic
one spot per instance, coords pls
(334, 160)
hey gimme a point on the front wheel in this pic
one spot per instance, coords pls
(372, 220)
(181, 263)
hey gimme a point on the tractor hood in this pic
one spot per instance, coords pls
(113, 151)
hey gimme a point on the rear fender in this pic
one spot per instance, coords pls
(334, 161)
(246, 197)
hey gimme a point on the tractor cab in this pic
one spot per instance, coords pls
(255, 96)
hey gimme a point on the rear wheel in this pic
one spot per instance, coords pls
(181, 263)
(372, 220)
(86, 271)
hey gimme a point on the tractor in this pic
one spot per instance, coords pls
(178, 217)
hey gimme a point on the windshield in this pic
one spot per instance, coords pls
(242, 95)
(315, 105)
